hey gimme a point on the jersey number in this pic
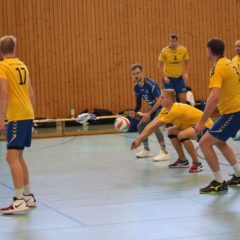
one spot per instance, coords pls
(22, 75)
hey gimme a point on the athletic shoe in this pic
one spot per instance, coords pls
(214, 187)
(143, 154)
(30, 200)
(162, 156)
(17, 206)
(179, 164)
(233, 181)
(196, 167)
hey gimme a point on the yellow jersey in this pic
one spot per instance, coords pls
(236, 60)
(226, 76)
(173, 61)
(17, 76)
(182, 116)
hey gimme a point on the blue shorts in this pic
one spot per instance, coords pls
(226, 126)
(177, 84)
(19, 134)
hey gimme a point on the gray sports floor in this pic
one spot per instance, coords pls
(93, 187)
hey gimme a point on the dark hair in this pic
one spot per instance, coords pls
(7, 44)
(135, 66)
(173, 36)
(216, 46)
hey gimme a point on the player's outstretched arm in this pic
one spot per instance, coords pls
(149, 129)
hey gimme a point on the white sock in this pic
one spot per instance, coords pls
(218, 176)
(236, 168)
(27, 190)
(19, 193)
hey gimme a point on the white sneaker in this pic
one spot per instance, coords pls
(161, 157)
(18, 205)
(143, 154)
(30, 200)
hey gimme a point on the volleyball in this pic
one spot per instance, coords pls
(122, 124)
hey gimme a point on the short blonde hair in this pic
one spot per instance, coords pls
(171, 93)
(8, 44)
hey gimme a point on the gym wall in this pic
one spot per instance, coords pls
(79, 51)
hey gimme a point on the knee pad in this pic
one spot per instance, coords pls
(184, 139)
(172, 136)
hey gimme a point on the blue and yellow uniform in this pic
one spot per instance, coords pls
(174, 67)
(225, 75)
(19, 110)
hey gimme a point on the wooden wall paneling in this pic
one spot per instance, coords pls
(124, 70)
(233, 24)
(54, 96)
(56, 56)
(41, 85)
(112, 58)
(46, 70)
(146, 33)
(66, 60)
(79, 61)
(203, 21)
(34, 66)
(82, 55)
(73, 82)
(155, 33)
(31, 51)
(159, 37)
(238, 18)
(91, 59)
(100, 11)
(115, 81)
(129, 60)
(120, 101)
(83, 60)
(60, 60)
(132, 44)
(87, 43)
(105, 61)
(70, 33)
(98, 98)
(147, 38)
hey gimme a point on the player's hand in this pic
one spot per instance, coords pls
(136, 143)
(199, 128)
(132, 114)
(146, 116)
(166, 80)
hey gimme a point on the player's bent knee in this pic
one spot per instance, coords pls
(172, 136)
(184, 139)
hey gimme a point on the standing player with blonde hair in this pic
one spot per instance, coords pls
(17, 105)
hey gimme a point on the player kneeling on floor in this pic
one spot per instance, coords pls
(183, 117)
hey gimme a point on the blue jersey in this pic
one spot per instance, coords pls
(149, 91)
